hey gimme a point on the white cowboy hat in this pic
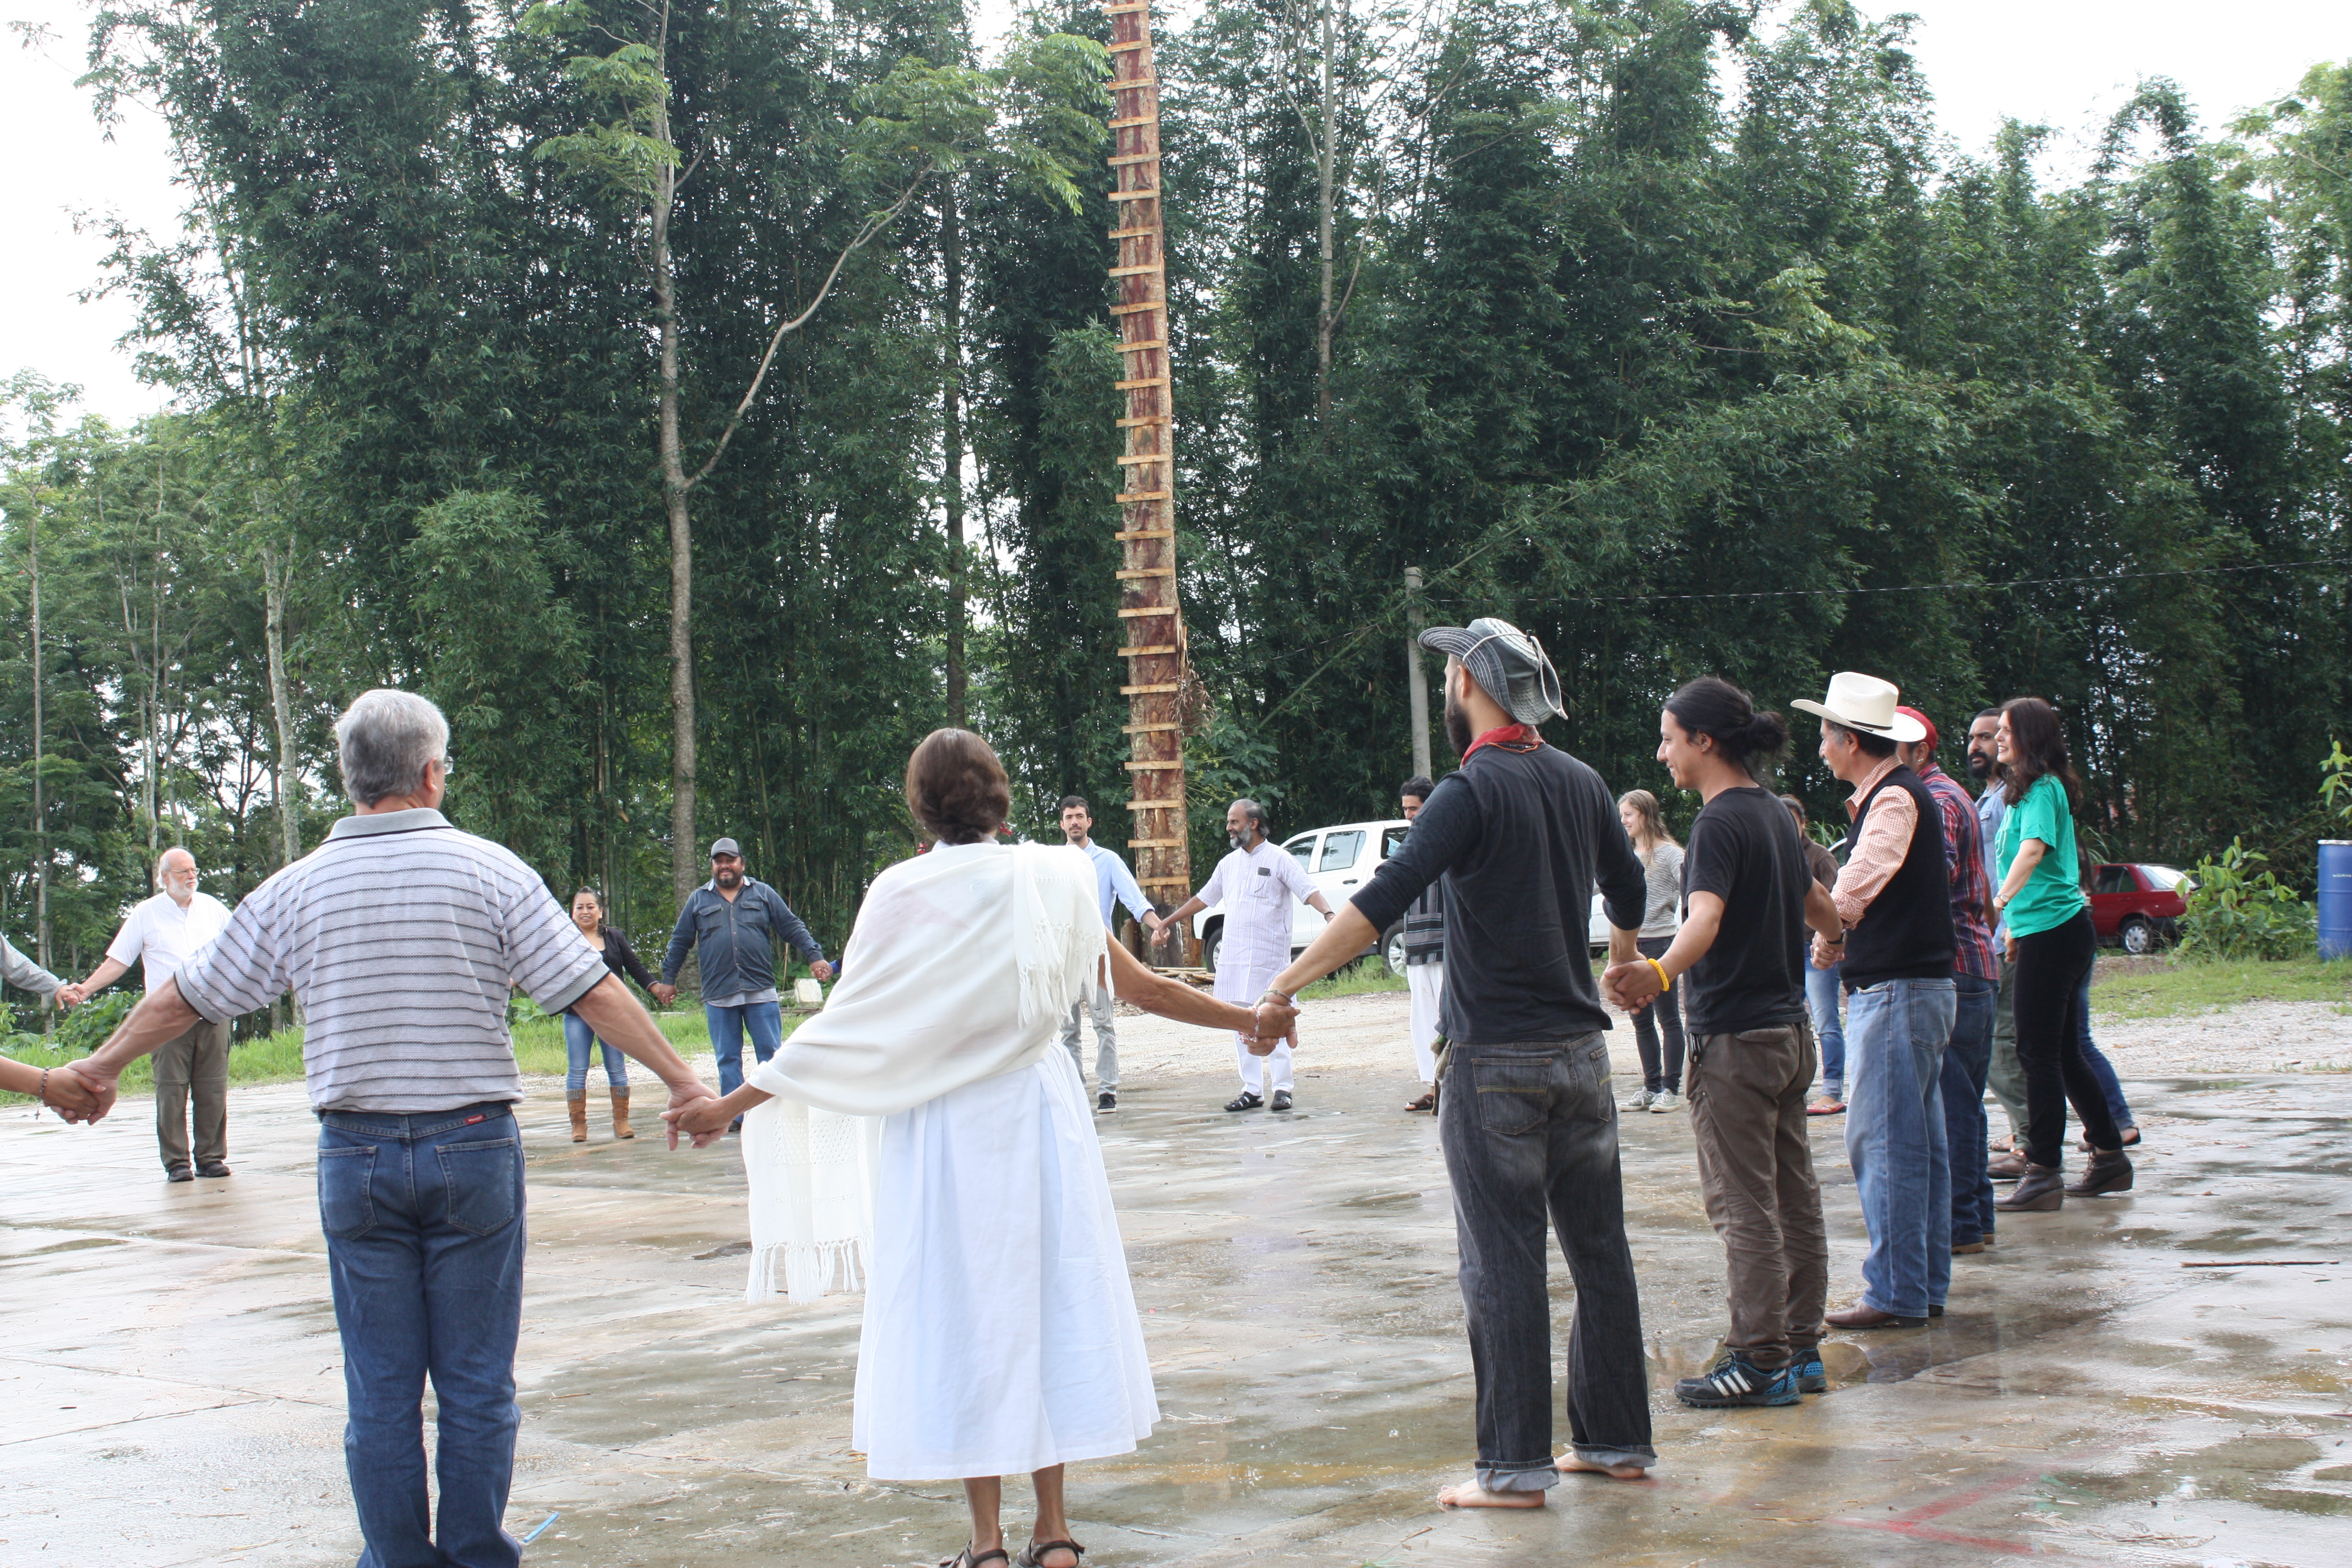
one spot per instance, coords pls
(1866, 703)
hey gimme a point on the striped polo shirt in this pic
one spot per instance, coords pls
(403, 936)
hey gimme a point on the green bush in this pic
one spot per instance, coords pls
(2235, 911)
(83, 1029)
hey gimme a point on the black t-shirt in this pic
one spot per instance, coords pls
(1745, 850)
(1522, 839)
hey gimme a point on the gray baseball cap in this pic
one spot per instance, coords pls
(726, 847)
(1507, 664)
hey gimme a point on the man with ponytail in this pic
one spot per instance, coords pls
(1739, 959)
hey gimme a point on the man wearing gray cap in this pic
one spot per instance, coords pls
(732, 922)
(1521, 832)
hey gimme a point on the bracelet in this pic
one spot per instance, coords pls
(1666, 980)
(41, 1094)
(1290, 1001)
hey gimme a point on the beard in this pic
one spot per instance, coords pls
(1457, 725)
(728, 878)
(1980, 766)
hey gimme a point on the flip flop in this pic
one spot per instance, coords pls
(1426, 1102)
(1825, 1107)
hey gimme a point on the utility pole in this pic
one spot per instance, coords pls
(1148, 613)
(1416, 675)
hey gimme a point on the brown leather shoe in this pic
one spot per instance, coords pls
(621, 1127)
(1864, 1317)
(2041, 1190)
(578, 1118)
(2006, 1167)
(2110, 1172)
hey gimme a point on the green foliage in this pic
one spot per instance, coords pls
(2237, 912)
(81, 1030)
(2334, 779)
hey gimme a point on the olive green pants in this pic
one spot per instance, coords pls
(195, 1065)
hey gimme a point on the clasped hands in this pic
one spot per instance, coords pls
(1277, 1024)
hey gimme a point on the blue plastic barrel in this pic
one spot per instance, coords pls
(2336, 898)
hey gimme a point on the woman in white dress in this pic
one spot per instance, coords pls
(1001, 1334)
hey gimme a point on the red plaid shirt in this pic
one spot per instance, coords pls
(1964, 857)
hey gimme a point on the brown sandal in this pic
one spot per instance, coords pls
(1036, 1549)
(965, 1559)
(1426, 1102)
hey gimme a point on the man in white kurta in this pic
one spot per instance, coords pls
(160, 936)
(1253, 886)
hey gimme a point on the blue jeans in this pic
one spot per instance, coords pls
(1821, 990)
(1895, 1032)
(1968, 1058)
(2101, 1068)
(765, 1020)
(579, 1041)
(423, 1217)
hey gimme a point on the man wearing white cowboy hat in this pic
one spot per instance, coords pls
(1894, 898)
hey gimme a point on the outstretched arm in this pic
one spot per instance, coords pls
(161, 1016)
(1155, 992)
(620, 1021)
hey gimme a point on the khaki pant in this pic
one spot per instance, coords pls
(197, 1061)
(1746, 1095)
(2005, 1078)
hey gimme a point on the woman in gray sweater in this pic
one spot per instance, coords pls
(1661, 861)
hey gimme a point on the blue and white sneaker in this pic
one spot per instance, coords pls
(1811, 1376)
(1736, 1380)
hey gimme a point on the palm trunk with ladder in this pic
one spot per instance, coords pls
(1148, 616)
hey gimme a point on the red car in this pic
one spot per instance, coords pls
(2138, 906)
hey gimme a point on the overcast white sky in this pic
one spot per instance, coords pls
(2065, 63)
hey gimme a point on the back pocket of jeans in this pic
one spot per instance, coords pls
(346, 1203)
(1514, 1097)
(484, 1182)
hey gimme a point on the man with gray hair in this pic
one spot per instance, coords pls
(160, 935)
(403, 936)
(1254, 886)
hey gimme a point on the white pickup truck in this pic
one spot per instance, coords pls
(1339, 860)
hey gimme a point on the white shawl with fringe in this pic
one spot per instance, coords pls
(962, 965)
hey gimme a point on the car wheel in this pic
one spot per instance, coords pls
(1210, 944)
(2138, 937)
(1392, 950)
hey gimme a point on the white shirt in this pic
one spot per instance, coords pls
(1255, 888)
(161, 933)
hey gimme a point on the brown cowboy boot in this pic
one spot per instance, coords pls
(621, 1114)
(578, 1118)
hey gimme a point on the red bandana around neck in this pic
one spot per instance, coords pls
(1510, 737)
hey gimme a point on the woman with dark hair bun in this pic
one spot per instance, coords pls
(2053, 944)
(925, 1136)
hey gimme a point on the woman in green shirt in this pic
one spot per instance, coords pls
(2053, 945)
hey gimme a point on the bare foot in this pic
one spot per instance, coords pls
(1571, 1465)
(1472, 1495)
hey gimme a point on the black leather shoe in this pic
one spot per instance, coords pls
(1245, 1100)
(178, 1174)
(1281, 1100)
(1107, 1101)
(213, 1171)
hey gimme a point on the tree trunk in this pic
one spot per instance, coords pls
(274, 584)
(951, 445)
(40, 812)
(683, 859)
(1323, 225)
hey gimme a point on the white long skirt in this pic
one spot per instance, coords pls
(1000, 1333)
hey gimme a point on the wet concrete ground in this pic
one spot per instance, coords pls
(171, 1377)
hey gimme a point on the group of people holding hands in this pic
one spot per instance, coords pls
(929, 1091)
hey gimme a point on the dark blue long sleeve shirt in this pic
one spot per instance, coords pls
(735, 939)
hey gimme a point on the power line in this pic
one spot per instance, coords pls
(1961, 587)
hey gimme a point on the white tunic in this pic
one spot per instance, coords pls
(1255, 887)
(1001, 1331)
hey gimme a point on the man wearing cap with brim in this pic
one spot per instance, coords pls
(1894, 898)
(732, 921)
(1521, 832)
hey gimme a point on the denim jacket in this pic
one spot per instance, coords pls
(734, 939)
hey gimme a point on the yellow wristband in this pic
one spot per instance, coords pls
(1666, 980)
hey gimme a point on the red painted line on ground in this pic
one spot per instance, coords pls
(1927, 1533)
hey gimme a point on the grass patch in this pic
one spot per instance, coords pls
(2166, 986)
(278, 1058)
(1362, 978)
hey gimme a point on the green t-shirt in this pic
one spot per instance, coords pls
(2053, 894)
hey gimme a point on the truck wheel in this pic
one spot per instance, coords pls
(1392, 948)
(2138, 937)
(1211, 944)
